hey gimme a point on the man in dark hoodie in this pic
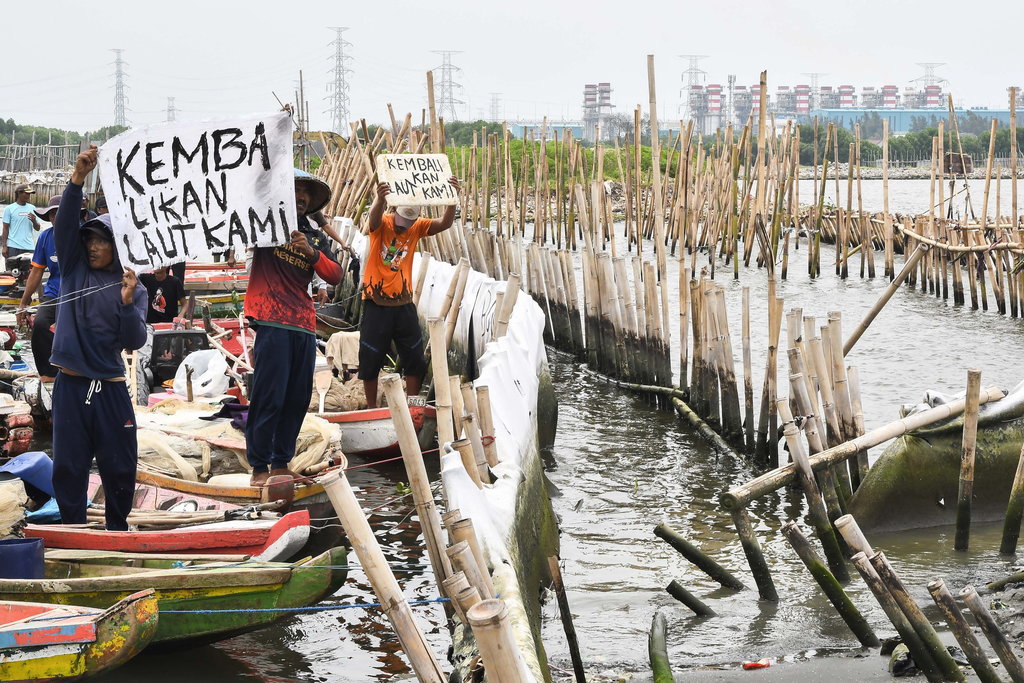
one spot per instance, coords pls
(102, 312)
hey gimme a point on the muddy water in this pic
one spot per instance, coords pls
(621, 467)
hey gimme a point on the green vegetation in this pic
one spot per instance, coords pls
(13, 134)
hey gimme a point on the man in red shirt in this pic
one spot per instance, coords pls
(279, 307)
(389, 315)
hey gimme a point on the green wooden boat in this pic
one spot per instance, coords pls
(186, 589)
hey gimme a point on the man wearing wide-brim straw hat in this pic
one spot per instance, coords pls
(279, 307)
(389, 315)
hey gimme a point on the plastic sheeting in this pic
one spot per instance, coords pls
(511, 367)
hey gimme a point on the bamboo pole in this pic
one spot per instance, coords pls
(755, 558)
(695, 555)
(962, 631)
(419, 482)
(657, 650)
(921, 654)
(830, 586)
(492, 629)
(385, 587)
(818, 515)
(965, 492)
(442, 387)
(1014, 510)
(463, 560)
(483, 399)
(697, 606)
(452, 586)
(566, 616)
(465, 451)
(462, 530)
(996, 639)
(917, 619)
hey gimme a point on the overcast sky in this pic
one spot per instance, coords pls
(220, 58)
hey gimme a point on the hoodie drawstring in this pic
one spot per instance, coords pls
(95, 387)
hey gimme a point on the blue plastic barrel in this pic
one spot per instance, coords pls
(21, 558)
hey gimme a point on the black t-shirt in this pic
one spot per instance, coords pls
(163, 297)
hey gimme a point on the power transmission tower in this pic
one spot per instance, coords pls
(120, 97)
(170, 109)
(338, 89)
(930, 77)
(496, 107)
(815, 102)
(692, 76)
(444, 91)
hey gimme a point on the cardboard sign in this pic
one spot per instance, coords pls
(186, 191)
(417, 179)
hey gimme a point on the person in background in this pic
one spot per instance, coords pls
(101, 205)
(43, 258)
(389, 315)
(279, 307)
(166, 295)
(102, 312)
(19, 224)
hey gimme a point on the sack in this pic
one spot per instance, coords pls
(208, 378)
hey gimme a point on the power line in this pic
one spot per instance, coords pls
(120, 97)
(444, 92)
(338, 89)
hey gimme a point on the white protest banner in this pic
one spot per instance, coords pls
(185, 191)
(417, 179)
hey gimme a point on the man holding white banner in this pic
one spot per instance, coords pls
(279, 306)
(102, 312)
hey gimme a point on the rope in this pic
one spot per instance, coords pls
(258, 610)
(314, 608)
(74, 296)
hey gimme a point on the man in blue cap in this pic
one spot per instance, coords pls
(102, 312)
(279, 306)
(20, 224)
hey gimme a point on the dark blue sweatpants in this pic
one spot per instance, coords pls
(93, 419)
(282, 384)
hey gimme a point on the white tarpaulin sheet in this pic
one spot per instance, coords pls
(185, 191)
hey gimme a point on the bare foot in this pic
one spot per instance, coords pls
(284, 472)
(259, 478)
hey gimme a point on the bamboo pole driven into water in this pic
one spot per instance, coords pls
(996, 639)
(677, 591)
(1014, 510)
(965, 492)
(962, 631)
(385, 587)
(830, 586)
(695, 555)
(493, 632)
(657, 650)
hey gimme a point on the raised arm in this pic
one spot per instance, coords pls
(70, 251)
(444, 222)
(377, 210)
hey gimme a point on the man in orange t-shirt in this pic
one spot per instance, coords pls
(389, 315)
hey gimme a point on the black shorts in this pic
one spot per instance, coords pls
(382, 325)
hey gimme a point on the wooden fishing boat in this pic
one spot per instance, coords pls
(266, 538)
(370, 433)
(155, 498)
(46, 642)
(190, 597)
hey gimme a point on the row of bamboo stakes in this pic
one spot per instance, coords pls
(547, 219)
(550, 227)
